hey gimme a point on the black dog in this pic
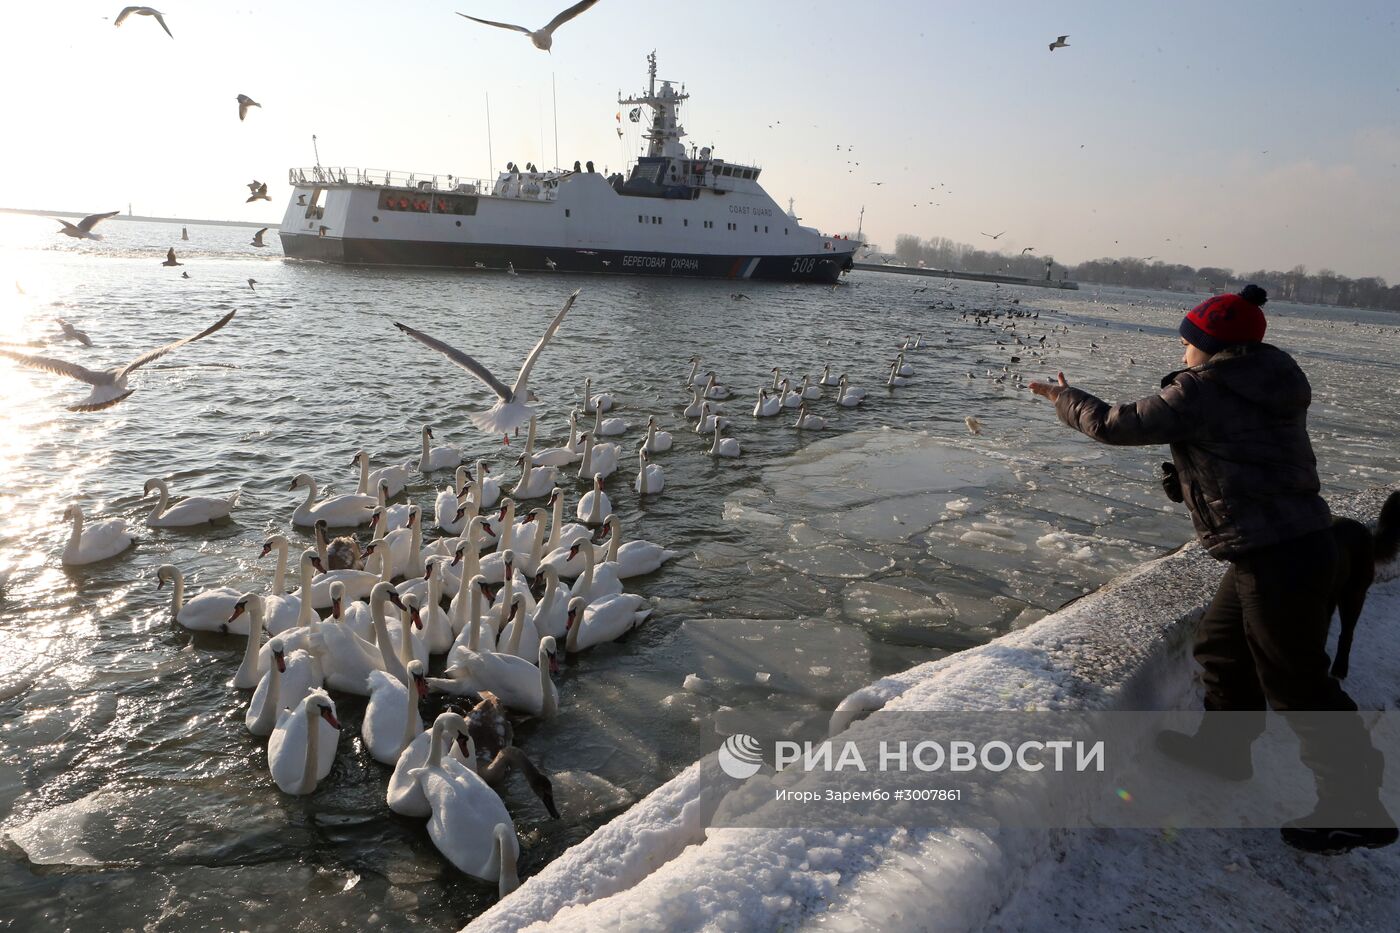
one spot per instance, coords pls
(1359, 553)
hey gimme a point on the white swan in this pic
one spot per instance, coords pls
(192, 510)
(521, 685)
(450, 499)
(534, 481)
(767, 406)
(651, 479)
(591, 403)
(442, 457)
(827, 379)
(696, 377)
(471, 826)
(207, 612)
(346, 658)
(406, 635)
(599, 578)
(288, 679)
(848, 396)
(790, 396)
(657, 442)
(396, 475)
(594, 505)
(551, 612)
(248, 675)
(636, 557)
(519, 636)
(724, 446)
(903, 368)
(510, 410)
(808, 391)
(605, 620)
(709, 421)
(713, 390)
(809, 422)
(895, 380)
(696, 403)
(282, 610)
(400, 547)
(345, 511)
(598, 458)
(487, 486)
(391, 517)
(302, 748)
(532, 530)
(296, 635)
(391, 719)
(560, 534)
(404, 795)
(607, 427)
(556, 456)
(98, 542)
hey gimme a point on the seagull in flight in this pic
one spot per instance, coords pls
(244, 102)
(251, 283)
(170, 259)
(259, 191)
(1059, 43)
(990, 236)
(542, 38)
(72, 333)
(257, 237)
(143, 11)
(510, 410)
(550, 262)
(108, 386)
(1028, 249)
(973, 425)
(83, 229)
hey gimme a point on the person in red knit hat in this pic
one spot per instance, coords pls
(1235, 418)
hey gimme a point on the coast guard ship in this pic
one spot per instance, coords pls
(680, 212)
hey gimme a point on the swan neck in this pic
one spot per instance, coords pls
(411, 721)
(509, 880)
(161, 501)
(279, 572)
(313, 751)
(249, 668)
(614, 540)
(304, 611)
(363, 489)
(177, 595)
(551, 698)
(435, 745)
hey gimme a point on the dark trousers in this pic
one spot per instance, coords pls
(1263, 640)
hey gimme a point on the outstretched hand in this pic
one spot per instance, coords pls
(1050, 390)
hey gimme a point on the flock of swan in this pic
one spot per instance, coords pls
(488, 602)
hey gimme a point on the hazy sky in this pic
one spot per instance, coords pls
(1243, 134)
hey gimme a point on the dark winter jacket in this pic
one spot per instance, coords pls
(1237, 426)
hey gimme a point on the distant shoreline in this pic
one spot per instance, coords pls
(156, 220)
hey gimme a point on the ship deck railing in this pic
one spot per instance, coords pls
(530, 186)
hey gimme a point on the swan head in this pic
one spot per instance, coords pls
(413, 512)
(152, 485)
(420, 683)
(248, 602)
(576, 608)
(337, 599)
(410, 604)
(428, 431)
(279, 653)
(271, 543)
(517, 599)
(300, 480)
(480, 583)
(598, 482)
(508, 556)
(554, 495)
(166, 573)
(573, 551)
(319, 703)
(549, 652)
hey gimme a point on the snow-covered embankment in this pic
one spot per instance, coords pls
(660, 866)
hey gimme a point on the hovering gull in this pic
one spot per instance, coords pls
(259, 189)
(973, 424)
(542, 38)
(550, 262)
(997, 237)
(510, 410)
(480, 265)
(184, 275)
(739, 296)
(170, 259)
(1028, 249)
(244, 102)
(510, 268)
(1059, 43)
(72, 333)
(83, 229)
(607, 262)
(257, 237)
(251, 283)
(108, 386)
(143, 11)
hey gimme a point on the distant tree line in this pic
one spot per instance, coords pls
(1324, 287)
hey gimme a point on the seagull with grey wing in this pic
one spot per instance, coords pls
(510, 410)
(542, 38)
(257, 237)
(82, 230)
(72, 333)
(143, 11)
(244, 102)
(259, 192)
(1059, 43)
(108, 386)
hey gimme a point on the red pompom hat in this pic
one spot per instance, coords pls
(1225, 321)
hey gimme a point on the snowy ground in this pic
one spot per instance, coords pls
(660, 866)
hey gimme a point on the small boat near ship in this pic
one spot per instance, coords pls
(680, 212)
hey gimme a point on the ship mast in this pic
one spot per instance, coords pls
(664, 136)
